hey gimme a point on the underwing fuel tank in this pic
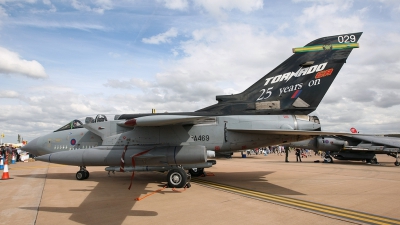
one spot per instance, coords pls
(107, 156)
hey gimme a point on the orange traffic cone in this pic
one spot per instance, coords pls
(5, 171)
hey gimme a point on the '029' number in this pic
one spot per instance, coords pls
(347, 38)
(201, 138)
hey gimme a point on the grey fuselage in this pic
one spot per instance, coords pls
(105, 141)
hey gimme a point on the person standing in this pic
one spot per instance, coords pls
(8, 153)
(298, 154)
(3, 151)
(266, 151)
(286, 153)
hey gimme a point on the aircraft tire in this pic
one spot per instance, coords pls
(196, 172)
(80, 175)
(177, 178)
(86, 174)
(329, 159)
(396, 163)
(374, 160)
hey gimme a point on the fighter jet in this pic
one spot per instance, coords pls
(353, 146)
(272, 111)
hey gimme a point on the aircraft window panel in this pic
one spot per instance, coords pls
(77, 124)
(89, 120)
(100, 118)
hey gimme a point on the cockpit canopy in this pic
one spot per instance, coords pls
(74, 124)
(71, 125)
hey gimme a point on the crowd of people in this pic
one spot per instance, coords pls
(7, 152)
(281, 150)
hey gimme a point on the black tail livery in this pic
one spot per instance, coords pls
(297, 85)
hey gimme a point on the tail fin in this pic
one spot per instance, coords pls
(297, 85)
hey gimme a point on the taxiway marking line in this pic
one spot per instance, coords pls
(344, 213)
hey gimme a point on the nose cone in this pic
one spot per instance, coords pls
(32, 147)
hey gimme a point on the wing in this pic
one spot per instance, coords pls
(376, 142)
(164, 120)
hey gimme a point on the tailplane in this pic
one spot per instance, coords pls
(297, 85)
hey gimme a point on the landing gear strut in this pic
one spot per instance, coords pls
(178, 178)
(395, 155)
(82, 174)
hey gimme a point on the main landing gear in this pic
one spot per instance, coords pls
(196, 172)
(397, 159)
(374, 160)
(82, 174)
(395, 155)
(328, 159)
(178, 178)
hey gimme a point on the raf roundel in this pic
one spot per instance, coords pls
(73, 141)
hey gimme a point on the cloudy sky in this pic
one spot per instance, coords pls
(67, 59)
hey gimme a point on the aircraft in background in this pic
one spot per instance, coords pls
(271, 111)
(353, 147)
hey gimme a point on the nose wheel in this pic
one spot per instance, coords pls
(82, 174)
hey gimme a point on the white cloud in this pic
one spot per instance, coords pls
(54, 24)
(217, 8)
(162, 38)
(99, 6)
(118, 84)
(175, 4)
(329, 18)
(3, 13)
(11, 63)
(8, 94)
(51, 5)
(128, 84)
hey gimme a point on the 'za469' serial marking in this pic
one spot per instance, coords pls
(201, 138)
